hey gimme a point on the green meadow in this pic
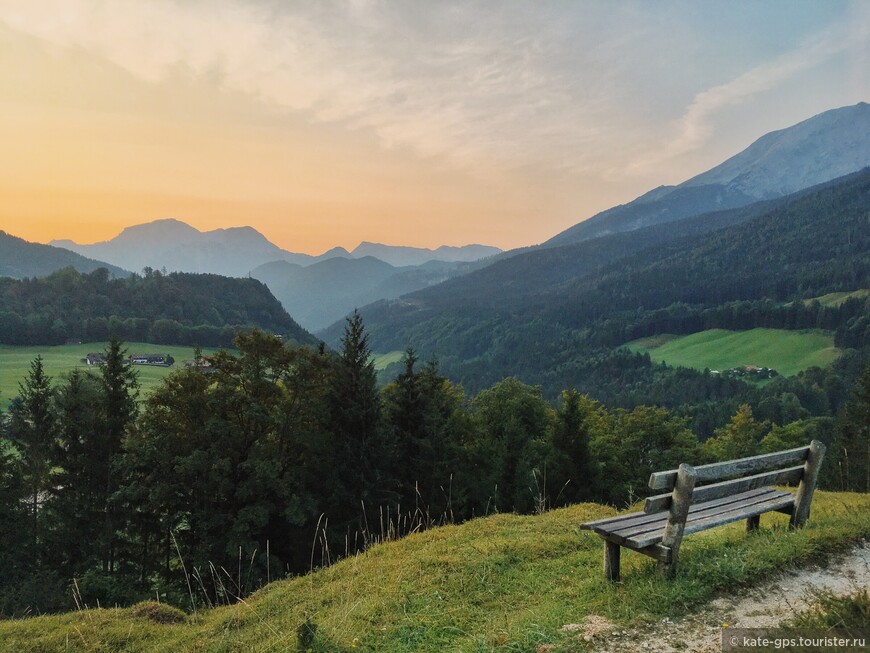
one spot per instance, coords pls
(787, 352)
(381, 361)
(61, 359)
(834, 299)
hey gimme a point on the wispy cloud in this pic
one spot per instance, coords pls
(475, 85)
(463, 83)
(696, 126)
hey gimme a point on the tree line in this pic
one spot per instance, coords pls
(174, 309)
(283, 458)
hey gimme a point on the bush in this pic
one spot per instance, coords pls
(159, 613)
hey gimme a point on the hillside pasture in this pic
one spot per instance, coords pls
(500, 583)
(62, 359)
(787, 352)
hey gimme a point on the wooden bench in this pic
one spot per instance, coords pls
(726, 492)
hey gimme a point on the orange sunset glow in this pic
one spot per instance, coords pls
(332, 124)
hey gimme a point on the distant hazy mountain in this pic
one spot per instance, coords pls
(178, 247)
(235, 252)
(824, 147)
(399, 256)
(319, 294)
(20, 258)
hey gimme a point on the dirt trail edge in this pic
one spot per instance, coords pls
(761, 606)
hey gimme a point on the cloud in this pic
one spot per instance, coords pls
(454, 82)
(696, 126)
(567, 89)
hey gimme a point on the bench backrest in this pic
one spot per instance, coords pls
(736, 476)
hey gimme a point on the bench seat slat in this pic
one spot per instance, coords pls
(719, 519)
(704, 510)
(609, 524)
(624, 527)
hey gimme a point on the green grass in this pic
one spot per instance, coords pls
(61, 359)
(834, 299)
(383, 360)
(788, 352)
(501, 583)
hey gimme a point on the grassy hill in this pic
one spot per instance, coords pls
(788, 352)
(501, 583)
(59, 360)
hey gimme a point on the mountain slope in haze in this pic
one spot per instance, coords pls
(20, 258)
(805, 246)
(824, 147)
(322, 293)
(404, 256)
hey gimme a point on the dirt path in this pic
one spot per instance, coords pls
(766, 605)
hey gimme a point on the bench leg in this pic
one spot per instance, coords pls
(752, 523)
(668, 569)
(804, 496)
(611, 561)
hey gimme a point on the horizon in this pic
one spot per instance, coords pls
(330, 125)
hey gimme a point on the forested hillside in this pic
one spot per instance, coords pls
(567, 331)
(177, 308)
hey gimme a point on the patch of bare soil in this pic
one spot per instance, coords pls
(763, 606)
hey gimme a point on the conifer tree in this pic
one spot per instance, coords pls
(33, 429)
(120, 386)
(854, 437)
(361, 457)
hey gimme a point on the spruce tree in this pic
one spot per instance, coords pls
(33, 429)
(120, 386)
(361, 459)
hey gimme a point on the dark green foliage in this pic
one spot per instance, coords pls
(177, 308)
(853, 444)
(362, 465)
(425, 415)
(629, 446)
(569, 473)
(512, 424)
(32, 427)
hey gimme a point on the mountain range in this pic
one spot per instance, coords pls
(235, 252)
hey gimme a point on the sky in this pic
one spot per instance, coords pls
(327, 123)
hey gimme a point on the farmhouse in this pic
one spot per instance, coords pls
(95, 359)
(162, 360)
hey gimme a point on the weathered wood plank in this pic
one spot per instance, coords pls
(779, 503)
(725, 488)
(679, 512)
(708, 509)
(804, 496)
(736, 515)
(733, 468)
(609, 524)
